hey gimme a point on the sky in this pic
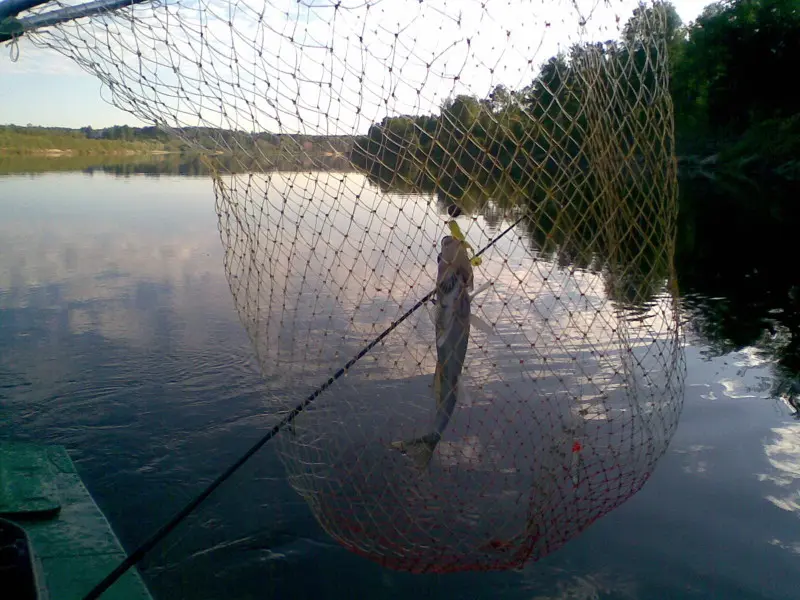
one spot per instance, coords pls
(352, 87)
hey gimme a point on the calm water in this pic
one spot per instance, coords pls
(119, 339)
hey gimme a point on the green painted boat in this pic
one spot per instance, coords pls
(55, 543)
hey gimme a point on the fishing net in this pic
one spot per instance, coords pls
(345, 138)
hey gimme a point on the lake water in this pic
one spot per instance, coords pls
(120, 339)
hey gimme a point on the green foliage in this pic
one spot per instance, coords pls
(527, 150)
(771, 147)
(54, 140)
(522, 142)
(728, 83)
(728, 75)
(733, 68)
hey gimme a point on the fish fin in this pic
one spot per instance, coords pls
(431, 312)
(481, 289)
(421, 453)
(480, 324)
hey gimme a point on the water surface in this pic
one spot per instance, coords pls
(119, 338)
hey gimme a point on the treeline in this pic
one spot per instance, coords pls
(731, 73)
(32, 140)
(225, 141)
(536, 142)
(728, 83)
(15, 139)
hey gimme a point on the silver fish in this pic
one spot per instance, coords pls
(452, 323)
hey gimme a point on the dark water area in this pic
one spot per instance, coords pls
(119, 339)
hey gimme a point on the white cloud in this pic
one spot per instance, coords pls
(97, 259)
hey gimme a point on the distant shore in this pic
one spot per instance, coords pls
(51, 142)
(123, 140)
(68, 152)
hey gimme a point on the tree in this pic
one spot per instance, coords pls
(734, 64)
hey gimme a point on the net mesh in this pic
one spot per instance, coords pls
(345, 138)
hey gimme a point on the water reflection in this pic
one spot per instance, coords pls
(631, 241)
(150, 422)
(168, 164)
(783, 453)
(731, 240)
(738, 291)
(91, 261)
(114, 319)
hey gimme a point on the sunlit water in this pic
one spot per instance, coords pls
(119, 338)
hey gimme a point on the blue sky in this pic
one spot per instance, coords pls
(44, 88)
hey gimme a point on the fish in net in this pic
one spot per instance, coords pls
(483, 194)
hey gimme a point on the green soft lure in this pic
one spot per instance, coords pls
(456, 232)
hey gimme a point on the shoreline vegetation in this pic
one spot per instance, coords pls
(733, 118)
(124, 140)
(125, 150)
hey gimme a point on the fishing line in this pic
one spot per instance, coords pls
(165, 529)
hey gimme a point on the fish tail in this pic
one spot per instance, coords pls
(420, 449)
